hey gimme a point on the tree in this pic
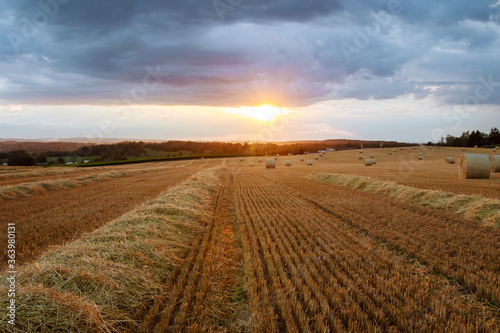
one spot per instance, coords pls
(475, 139)
(21, 157)
(494, 137)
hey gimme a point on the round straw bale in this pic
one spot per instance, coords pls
(474, 166)
(320, 154)
(413, 148)
(394, 150)
(420, 157)
(361, 152)
(277, 155)
(275, 158)
(270, 164)
(288, 163)
(390, 153)
(495, 163)
(463, 149)
(360, 157)
(260, 160)
(302, 159)
(370, 161)
(475, 146)
(449, 160)
(309, 162)
(251, 164)
(401, 148)
(371, 155)
(289, 154)
(241, 159)
(316, 157)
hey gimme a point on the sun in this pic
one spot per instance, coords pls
(263, 113)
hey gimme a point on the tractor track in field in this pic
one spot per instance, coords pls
(436, 239)
(199, 291)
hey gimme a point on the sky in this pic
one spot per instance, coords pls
(249, 70)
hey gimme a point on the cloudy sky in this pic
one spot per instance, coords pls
(201, 69)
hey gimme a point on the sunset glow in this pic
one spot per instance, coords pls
(262, 113)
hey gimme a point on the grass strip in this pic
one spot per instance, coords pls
(476, 207)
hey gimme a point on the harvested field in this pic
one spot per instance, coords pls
(476, 207)
(240, 249)
(39, 174)
(310, 269)
(105, 281)
(58, 216)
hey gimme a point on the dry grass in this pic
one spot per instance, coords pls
(476, 207)
(103, 281)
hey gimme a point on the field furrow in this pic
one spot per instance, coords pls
(321, 274)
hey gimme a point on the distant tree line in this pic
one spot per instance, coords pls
(133, 149)
(471, 139)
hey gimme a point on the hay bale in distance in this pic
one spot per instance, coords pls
(241, 159)
(474, 166)
(320, 154)
(371, 155)
(420, 157)
(495, 163)
(316, 157)
(288, 163)
(394, 150)
(275, 158)
(450, 160)
(463, 149)
(370, 161)
(251, 164)
(277, 155)
(390, 153)
(475, 146)
(360, 157)
(270, 164)
(309, 162)
(260, 160)
(302, 159)
(289, 154)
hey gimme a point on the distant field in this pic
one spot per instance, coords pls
(220, 246)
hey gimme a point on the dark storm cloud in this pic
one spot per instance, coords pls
(231, 53)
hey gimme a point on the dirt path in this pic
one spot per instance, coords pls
(58, 216)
